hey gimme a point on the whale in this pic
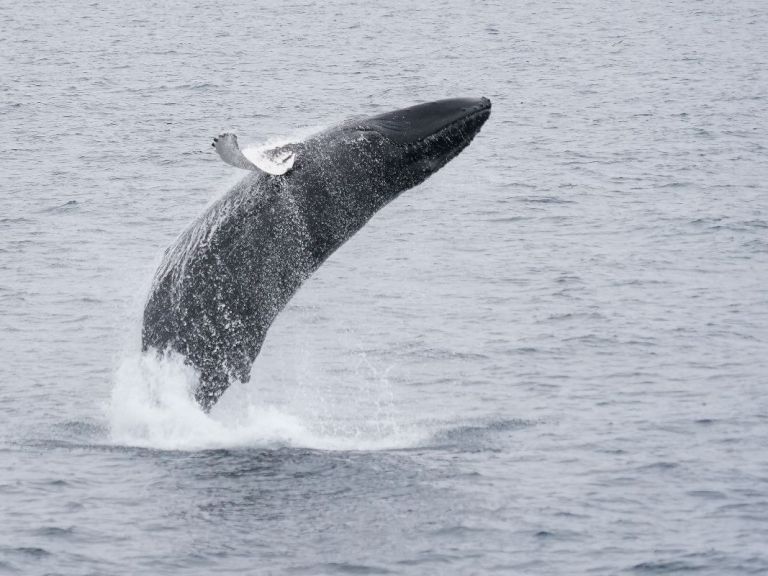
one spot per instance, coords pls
(223, 281)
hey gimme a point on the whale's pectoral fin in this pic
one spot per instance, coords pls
(275, 161)
(226, 146)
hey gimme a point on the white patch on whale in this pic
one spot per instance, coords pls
(273, 161)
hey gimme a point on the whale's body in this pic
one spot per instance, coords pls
(228, 275)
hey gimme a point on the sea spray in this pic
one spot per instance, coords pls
(152, 407)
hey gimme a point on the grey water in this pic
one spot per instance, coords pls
(550, 358)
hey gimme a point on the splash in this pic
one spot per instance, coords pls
(152, 407)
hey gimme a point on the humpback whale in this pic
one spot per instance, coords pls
(223, 281)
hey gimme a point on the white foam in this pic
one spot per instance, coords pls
(152, 407)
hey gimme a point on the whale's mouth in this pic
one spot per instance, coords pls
(451, 139)
(423, 122)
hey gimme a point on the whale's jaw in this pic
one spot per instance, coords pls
(410, 126)
(427, 136)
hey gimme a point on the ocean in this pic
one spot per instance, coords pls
(549, 358)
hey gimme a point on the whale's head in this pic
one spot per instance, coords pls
(402, 148)
(413, 143)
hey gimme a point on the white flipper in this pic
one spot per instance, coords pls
(275, 161)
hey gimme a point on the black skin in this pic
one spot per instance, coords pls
(225, 279)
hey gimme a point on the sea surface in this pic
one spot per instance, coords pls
(550, 358)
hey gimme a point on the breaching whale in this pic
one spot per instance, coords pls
(227, 276)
